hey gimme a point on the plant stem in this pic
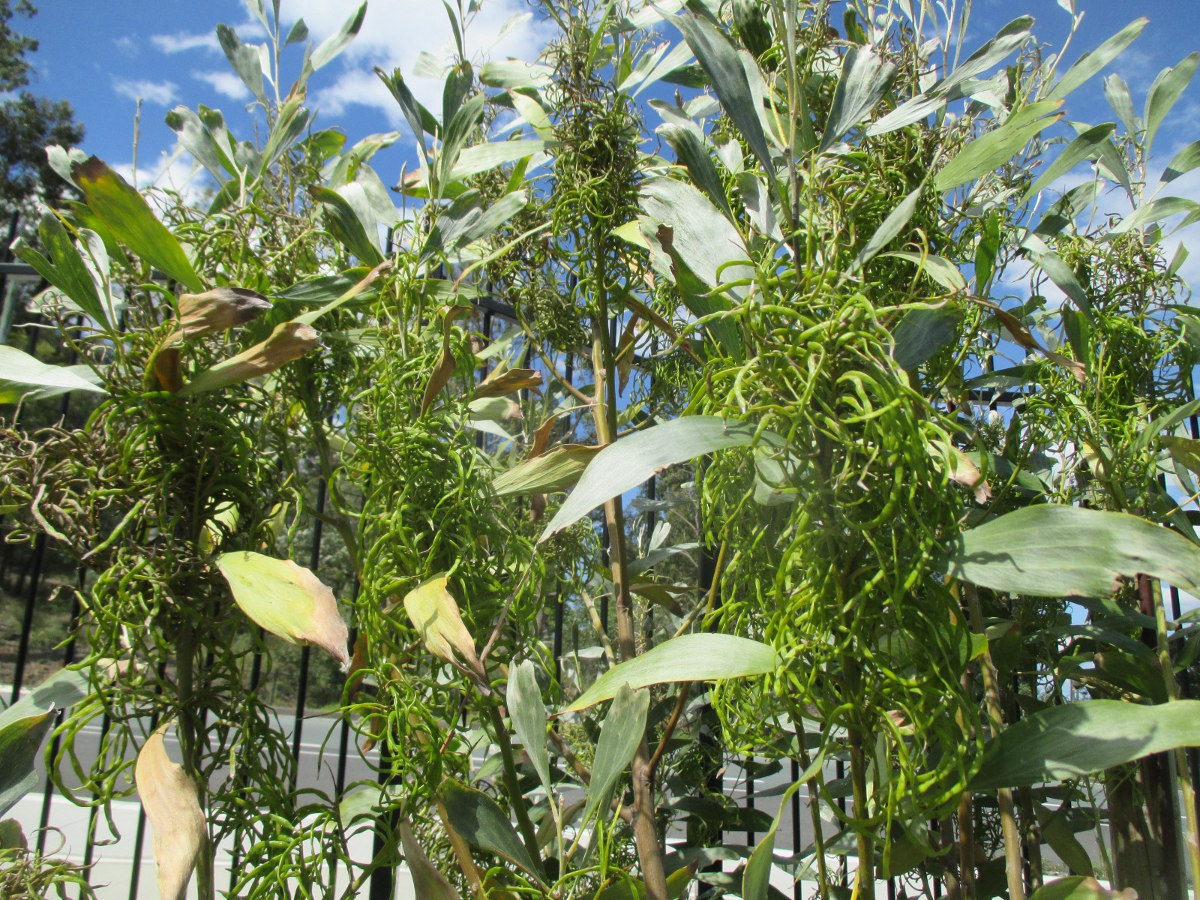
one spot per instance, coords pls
(604, 412)
(1182, 772)
(864, 875)
(966, 847)
(186, 649)
(512, 784)
(814, 809)
(1004, 796)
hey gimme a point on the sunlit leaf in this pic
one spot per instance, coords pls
(1063, 551)
(1159, 210)
(434, 613)
(988, 153)
(1008, 39)
(1064, 278)
(1116, 91)
(1093, 61)
(528, 712)
(1182, 162)
(1087, 145)
(1084, 737)
(941, 270)
(515, 73)
(1167, 88)
(723, 65)
(329, 48)
(287, 600)
(289, 341)
(20, 739)
(344, 223)
(197, 140)
(125, 212)
(696, 249)
(1080, 887)
(508, 381)
(623, 730)
(692, 153)
(689, 657)
(64, 267)
(22, 375)
(223, 523)
(555, 470)
(864, 79)
(172, 805)
(887, 231)
(419, 119)
(625, 464)
(245, 60)
(291, 124)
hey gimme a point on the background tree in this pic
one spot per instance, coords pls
(28, 123)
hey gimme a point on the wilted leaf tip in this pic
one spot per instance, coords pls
(287, 600)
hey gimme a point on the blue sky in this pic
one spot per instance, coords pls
(102, 55)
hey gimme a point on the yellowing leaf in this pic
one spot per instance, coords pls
(173, 807)
(287, 342)
(287, 600)
(224, 520)
(963, 471)
(434, 613)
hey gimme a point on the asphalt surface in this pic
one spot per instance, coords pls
(114, 857)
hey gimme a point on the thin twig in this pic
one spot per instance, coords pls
(669, 730)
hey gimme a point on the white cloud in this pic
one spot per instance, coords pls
(181, 42)
(127, 46)
(358, 87)
(393, 35)
(175, 172)
(160, 93)
(225, 83)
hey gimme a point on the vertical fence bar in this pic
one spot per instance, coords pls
(794, 817)
(839, 772)
(344, 736)
(383, 879)
(750, 832)
(35, 577)
(48, 791)
(314, 560)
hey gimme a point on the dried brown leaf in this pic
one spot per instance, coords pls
(444, 369)
(499, 383)
(172, 805)
(287, 342)
(219, 309)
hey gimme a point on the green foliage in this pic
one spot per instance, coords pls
(773, 353)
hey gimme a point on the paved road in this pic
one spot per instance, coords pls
(114, 857)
